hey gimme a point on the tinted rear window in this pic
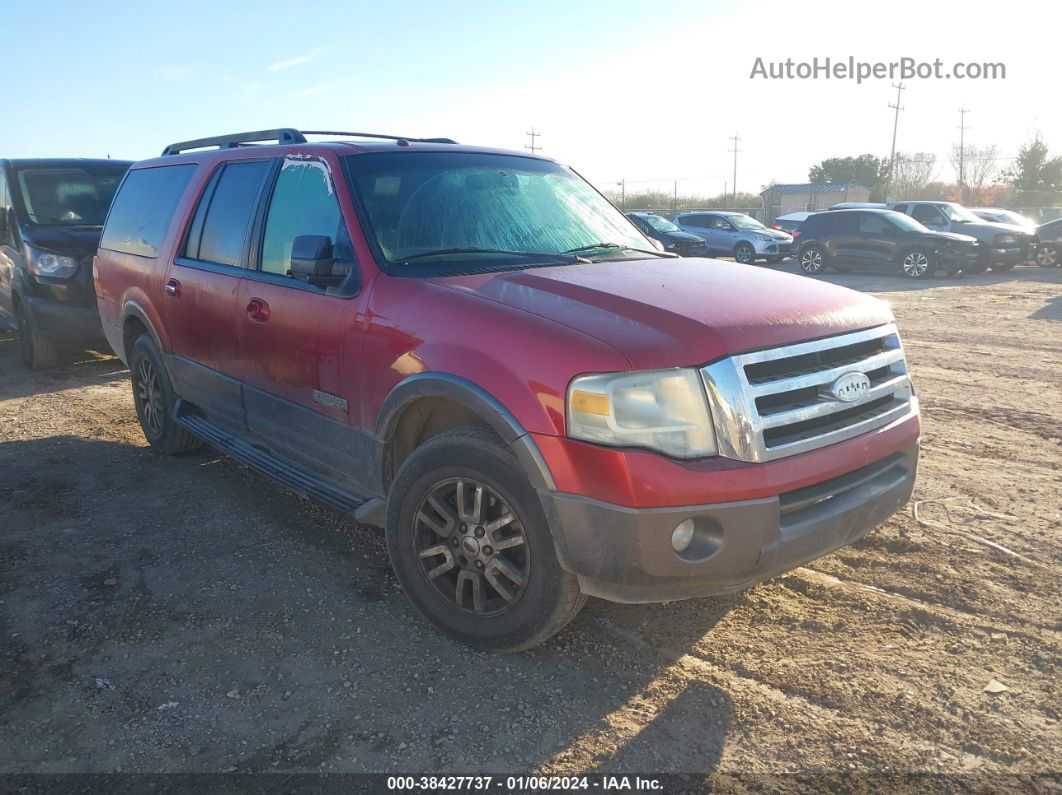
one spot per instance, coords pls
(143, 209)
(224, 213)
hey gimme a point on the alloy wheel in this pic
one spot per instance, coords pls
(1047, 256)
(915, 264)
(744, 255)
(471, 547)
(811, 260)
(149, 396)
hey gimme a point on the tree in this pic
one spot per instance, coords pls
(1033, 170)
(914, 173)
(975, 170)
(866, 170)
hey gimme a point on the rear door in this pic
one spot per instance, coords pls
(291, 333)
(203, 286)
(842, 238)
(877, 240)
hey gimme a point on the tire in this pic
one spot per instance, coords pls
(1047, 255)
(917, 263)
(38, 352)
(744, 253)
(813, 260)
(438, 550)
(154, 397)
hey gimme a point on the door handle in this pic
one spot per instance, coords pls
(257, 310)
(172, 288)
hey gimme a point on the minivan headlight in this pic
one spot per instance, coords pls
(49, 264)
(663, 410)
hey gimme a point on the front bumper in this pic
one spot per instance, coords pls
(1008, 255)
(66, 324)
(776, 248)
(625, 555)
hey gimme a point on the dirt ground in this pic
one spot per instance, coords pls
(187, 614)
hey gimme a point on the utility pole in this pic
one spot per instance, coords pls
(895, 124)
(962, 150)
(735, 150)
(726, 189)
(533, 135)
(623, 193)
(674, 199)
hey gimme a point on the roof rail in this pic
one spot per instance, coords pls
(385, 137)
(285, 135)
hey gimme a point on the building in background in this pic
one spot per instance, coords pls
(809, 197)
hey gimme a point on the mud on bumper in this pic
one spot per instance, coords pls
(625, 554)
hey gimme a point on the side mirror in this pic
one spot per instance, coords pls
(311, 257)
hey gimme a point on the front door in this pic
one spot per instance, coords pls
(290, 331)
(721, 234)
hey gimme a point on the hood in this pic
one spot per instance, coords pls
(949, 236)
(777, 234)
(74, 241)
(986, 230)
(680, 312)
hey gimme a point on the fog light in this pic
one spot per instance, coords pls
(682, 537)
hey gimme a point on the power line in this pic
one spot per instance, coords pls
(895, 125)
(735, 150)
(533, 135)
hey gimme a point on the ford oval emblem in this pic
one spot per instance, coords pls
(850, 387)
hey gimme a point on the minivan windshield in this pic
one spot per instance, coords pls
(744, 221)
(660, 224)
(69, 195)
(460, 209)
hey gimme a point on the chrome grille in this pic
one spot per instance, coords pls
(774, 403)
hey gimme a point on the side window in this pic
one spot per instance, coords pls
(717, 222)
(870, 224)
(304, 203)
(223, 217)
(900, 208)
(927, 214)
(841, 223)
(689, 220)
(143, 209)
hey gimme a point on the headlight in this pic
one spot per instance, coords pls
(664, 410)
(45, 263)
(998, 239)
(760, 236)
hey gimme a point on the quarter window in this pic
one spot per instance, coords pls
(304, 203)
(143, 209)
(220, 227)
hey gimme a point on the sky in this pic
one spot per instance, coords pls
(647, 92)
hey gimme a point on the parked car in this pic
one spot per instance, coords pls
(658, 228)
(1049, 243)
(1000, 216)
(476, 350)
(789, 223)
(1002, 245)
(858, 206)
(51, 213)
(737, 235)
(883, 240)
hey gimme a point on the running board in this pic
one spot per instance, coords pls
(294, 477)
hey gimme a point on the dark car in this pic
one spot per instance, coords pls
(881, 239)
(670, 236)
(51, 214)
(1049, 243)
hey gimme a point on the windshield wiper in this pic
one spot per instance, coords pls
(593, 246)
(567, 257)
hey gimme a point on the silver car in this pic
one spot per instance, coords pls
(736, 234)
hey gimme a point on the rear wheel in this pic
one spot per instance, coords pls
(1047, 255)
(916, 264)
(744, 253)
(812, 260)
(38, 352)
(154, 397)
(470, 545)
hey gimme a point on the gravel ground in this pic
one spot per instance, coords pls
(188, 615)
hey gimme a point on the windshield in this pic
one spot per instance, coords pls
(73, 195)
(661, 224)
(745, 222)
(454, 208)
(955, 212)
(905, 222)
(1011, 217)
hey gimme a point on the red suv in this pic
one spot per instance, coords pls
(474, 349)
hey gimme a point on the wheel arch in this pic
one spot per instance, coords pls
(429, 403)
(135, 319)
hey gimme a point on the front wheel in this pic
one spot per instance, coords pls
(744, 253)
(1047, 256)
(917, 264)
(38, 352)
(812, 260)
(470, 545)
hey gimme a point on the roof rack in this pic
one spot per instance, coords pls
(285, 135)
